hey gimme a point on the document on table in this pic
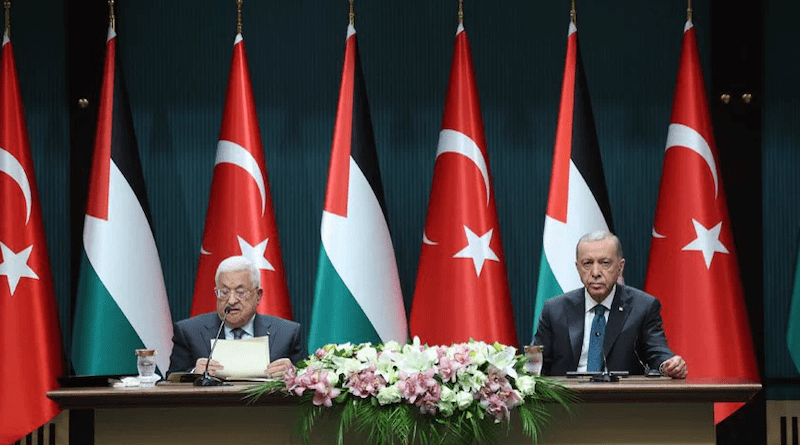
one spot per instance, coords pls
(243, 358)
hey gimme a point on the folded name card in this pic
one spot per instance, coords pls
(243, 358)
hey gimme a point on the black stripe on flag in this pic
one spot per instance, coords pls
(362, 145)
(124, 150)
(585, 147)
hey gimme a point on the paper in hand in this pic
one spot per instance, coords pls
(243, 358)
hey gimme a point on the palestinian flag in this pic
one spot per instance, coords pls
(578, 200)
(357, 297)
(122, 301)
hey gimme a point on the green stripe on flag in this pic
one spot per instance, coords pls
(547, 288)
(336, 317)
(793, 326)
(103, 340)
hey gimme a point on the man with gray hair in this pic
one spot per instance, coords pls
(238, 287)
(605, 325)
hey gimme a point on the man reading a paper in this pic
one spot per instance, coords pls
(238, 287)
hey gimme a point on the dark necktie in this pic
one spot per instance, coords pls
(237, 333)
(597, 335)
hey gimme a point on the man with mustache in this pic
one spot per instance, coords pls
(238, 286)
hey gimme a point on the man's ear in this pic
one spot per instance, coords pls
(259, 294)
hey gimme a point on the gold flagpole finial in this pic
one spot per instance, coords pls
(689, 11)
(352, 16)
(7, 6)
(573, 14)
(239, 16)
(111, 18)
(460, 12)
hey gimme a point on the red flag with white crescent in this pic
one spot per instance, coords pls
(462, 287)
(30, 336)
(240, 219)
(693, 268)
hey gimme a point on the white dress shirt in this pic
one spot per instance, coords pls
(588, 318)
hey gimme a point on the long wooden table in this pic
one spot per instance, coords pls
(635, 410)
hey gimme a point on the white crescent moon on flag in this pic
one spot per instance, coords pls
(680, 135)
(451, 141)
(12, 167)
(427, 241)
(231, 153)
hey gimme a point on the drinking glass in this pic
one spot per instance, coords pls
(534, 354)
(146, 364)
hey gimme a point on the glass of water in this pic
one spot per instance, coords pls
(146, 364)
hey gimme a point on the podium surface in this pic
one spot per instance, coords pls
(635, 410)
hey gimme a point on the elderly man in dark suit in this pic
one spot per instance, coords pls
(604, 325)
(238, 286)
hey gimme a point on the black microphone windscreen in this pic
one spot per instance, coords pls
(227, 309)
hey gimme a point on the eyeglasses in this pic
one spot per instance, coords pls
(224, 294)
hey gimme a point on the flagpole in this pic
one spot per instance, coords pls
(7, 6)
(239, 16)
(352, 16)
(460, 12)
(573, 14)
(689, 11)
(111, 19)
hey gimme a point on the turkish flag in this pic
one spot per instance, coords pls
(240, 218)
(30, 336)
(462, 289)
(693, 269)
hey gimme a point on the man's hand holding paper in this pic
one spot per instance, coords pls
(241, 359)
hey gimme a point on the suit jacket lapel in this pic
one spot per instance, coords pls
(261, 328)
(576, 313)
(211, 328)
(620, 309)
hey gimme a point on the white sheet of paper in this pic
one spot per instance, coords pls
(243, 358)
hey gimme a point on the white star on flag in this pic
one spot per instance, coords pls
(478, 249)
(707, 241)
(15, 266)
(256, 253)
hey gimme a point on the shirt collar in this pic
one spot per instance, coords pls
(247, 328)
(590, 303)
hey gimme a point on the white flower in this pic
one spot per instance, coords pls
(448, 395)
(392, 345)
(471, 379)
(504, 359)
(526, 385)
(367, 354)
(389, 394)
(412, 360)
(463, 399)
(345, 366)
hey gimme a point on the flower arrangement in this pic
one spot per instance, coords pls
(413, 393)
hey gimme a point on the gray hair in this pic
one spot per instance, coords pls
(239, 263)
(600, 235)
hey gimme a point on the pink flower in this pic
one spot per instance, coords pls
(448, 368)
(321, 352)
(461, 354)
(496, 407)
(365, 383)
(324, 392)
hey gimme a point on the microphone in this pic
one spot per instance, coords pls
(209, 380)
(605, 376)
(647, 371)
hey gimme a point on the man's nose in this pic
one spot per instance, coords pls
(595, 270)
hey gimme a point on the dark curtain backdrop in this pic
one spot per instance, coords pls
(176, 61)
(175, 57)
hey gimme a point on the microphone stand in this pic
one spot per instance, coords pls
(209, 380)
(605, 376)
